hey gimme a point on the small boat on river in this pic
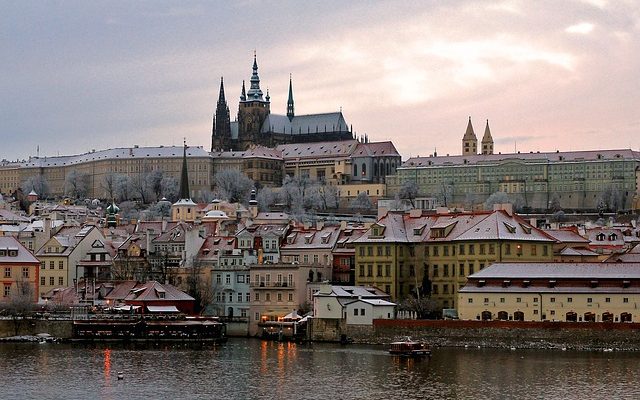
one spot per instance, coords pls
(409, 348)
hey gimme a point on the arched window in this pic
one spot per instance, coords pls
(486, 315)
(355, 169)
(364, 169)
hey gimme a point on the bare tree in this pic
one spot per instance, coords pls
(124, 189)
(38, 184)
(266, 197)
(409, 191)
(233, 185)
(170, 188)
(423, 307)
(153, 181)
(21, 301)
(76, 184)
(611, 199)
(362, 202)
(140, 187)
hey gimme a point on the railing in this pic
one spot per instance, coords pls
(285, 285)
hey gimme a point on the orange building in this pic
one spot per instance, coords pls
(19, 271)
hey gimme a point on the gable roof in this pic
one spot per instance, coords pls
(305, 124)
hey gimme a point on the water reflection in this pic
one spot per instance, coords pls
(253, 369)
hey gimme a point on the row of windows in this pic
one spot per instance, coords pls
(8, 272)
(267, 296)
(448, 270)
(52, 281)
(589, 300)
(52, 265)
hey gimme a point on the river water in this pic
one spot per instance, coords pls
(254, 369)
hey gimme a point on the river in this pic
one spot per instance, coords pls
(254, 369)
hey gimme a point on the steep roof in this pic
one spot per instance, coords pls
(566, 236)
(305, 124)
(12, 251)
(342, 148)
(373, 149)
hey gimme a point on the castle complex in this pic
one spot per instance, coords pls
(570, 180)
(256, 125)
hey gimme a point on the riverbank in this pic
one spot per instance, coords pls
(493, 334)
(506, 334)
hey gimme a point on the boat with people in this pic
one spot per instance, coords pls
(409, 348)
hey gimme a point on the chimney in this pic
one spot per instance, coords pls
(46, 228)
(506, 207)
(164, 225)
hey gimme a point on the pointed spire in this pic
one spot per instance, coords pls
(469, 134)
(487, 133)
(243, 93)
(469, 141)
(221, 98)
(184, 178)
(254, 92)
(290, 110)
(487, 141)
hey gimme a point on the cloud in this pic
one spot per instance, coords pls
(581, 28)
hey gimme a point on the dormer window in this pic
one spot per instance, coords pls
(613, 237)
(593, 284)
(506, 283)
(481, 283)
(526, 283)
(552, 283)
(510, 228)
(600, 237)
(626, 284)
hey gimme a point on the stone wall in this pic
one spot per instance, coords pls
(580, 336)
(24, 327)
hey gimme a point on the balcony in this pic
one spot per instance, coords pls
(272, 285)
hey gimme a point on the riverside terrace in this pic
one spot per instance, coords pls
(160, 327)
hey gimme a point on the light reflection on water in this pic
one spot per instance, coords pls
(253, 369)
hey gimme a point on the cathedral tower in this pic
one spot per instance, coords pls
(487, 141)
(290, 112)
(253, 111)
(221, 130)
(469, 141)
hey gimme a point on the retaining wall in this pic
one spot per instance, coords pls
(583, 336)
(23, 327)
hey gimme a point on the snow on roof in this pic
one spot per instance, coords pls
(566, 236)
(341, 148)
(305, 124)
(118, 153)
(12, 251)
(559, 270)
(544, 157)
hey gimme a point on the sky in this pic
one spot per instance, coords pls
(548, 75)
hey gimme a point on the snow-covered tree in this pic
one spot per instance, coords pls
(361, 202)
(233, 185)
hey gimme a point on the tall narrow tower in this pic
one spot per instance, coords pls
(184, 209)
(290, 112)
(469, 141)
(221, 130)
(487, 141)
(252, 112)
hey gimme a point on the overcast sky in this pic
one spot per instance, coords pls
(548, 75)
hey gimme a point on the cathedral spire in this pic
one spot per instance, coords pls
(221, 98)
(290, 112)
(184, 178)
(254, 92)
(243, 93)
(469, 141)
(487, 141)
(221, 130)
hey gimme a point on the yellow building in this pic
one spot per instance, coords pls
(59, 256)
(435, 253)
(580, 292)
